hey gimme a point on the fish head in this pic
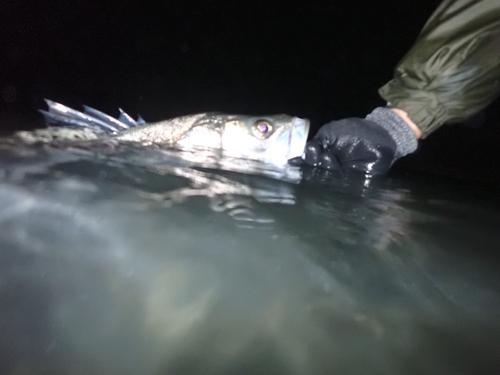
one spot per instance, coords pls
(273, 139)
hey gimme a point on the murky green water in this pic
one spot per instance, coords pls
(136, 263)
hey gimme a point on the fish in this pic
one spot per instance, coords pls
(272, 139)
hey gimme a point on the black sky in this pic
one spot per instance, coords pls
(320, 60)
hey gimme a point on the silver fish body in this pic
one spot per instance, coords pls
(272, 139)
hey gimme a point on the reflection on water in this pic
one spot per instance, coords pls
(117, 260)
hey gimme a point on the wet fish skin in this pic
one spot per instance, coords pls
(273, 139)
(173, 130)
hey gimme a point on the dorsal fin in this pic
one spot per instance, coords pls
(61, 116)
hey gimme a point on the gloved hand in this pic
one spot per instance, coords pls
(369, 145)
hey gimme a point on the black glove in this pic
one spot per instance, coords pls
(369, 145)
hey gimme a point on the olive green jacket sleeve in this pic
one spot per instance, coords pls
(453, 69)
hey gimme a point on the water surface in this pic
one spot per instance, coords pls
(130, 261)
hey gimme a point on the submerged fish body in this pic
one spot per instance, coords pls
(271, 139)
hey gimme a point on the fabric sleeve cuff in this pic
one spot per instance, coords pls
(404, 136)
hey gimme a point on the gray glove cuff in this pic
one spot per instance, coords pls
(404, 136)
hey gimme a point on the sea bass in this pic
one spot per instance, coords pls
(271, 139)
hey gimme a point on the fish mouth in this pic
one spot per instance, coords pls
(298, 137)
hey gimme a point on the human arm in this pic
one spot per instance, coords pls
(451, 72)
(453, 69)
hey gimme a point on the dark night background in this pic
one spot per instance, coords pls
(322, 61)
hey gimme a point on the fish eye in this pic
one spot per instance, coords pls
(262, 129)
